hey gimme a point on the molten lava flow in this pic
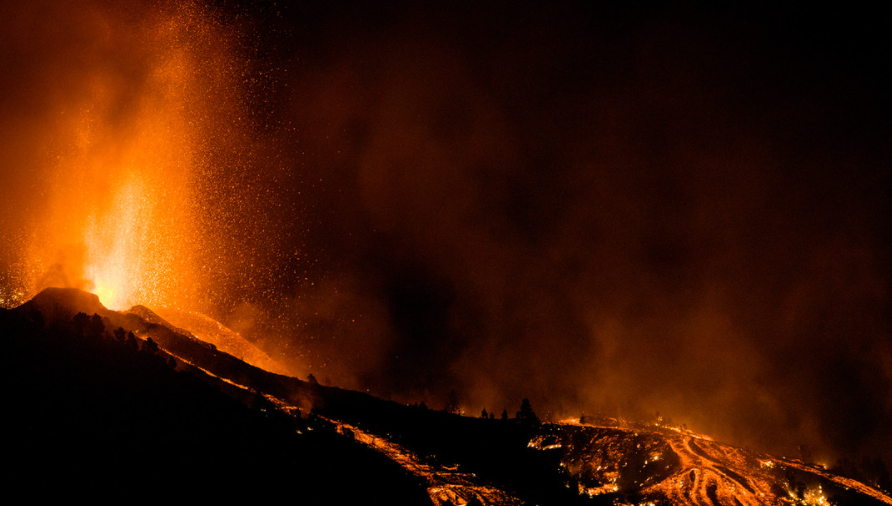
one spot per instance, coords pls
(446, 485)
(223, 338)
(668, 465)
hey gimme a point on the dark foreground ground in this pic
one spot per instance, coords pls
(103, 418)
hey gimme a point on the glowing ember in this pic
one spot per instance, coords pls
(117, 247)
(129, 153)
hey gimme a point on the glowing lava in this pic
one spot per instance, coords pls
(117, 245)
(668, 465)
(124, 157)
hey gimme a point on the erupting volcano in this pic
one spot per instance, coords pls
(673, 217)
(134, 158)
(121, 154)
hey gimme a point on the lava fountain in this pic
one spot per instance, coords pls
(129, 126)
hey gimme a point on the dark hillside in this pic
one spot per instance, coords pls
(132, 401)
(82, 405)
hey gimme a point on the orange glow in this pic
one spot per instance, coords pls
(122, 207)
(105, 293)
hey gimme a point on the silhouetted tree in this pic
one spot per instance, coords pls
(150, 346)
(526, 413)
(484, 414)
(120, 334)
(504, 414)
(452, 403)
(312, 379)
(171, 362)
(80, 323)
(422, 405)
(97, 328)
(132, 344)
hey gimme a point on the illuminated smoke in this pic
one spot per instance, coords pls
(594, 209)
(119, 134)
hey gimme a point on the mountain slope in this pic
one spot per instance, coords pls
(211, 331)
(79, 392)
(85, 408)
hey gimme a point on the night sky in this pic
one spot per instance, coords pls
(618, 209)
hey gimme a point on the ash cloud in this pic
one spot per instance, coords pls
(610, 210)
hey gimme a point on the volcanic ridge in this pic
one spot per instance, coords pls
(135, 391)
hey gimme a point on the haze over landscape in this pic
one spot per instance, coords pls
(619, 209)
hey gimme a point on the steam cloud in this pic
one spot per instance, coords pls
(597, 209)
